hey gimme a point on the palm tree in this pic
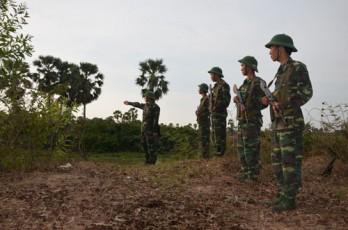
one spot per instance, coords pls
(88, 87)
(152, 77)
(48, 76)
(69, 82)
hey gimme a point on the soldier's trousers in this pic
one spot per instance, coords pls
(204, 133)
(219, 133)
(149, 146)
(287, 157)
(248, 146)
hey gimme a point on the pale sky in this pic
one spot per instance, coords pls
(192, 36)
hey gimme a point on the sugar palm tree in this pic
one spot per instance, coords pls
(87, 87)
(152, 77)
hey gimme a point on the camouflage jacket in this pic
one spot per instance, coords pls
(293, 89)
(221, 98)
(252, 95)
(151, 112)
(203, 111)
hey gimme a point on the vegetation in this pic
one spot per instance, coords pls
(152, 77)
(79, 84)
(36, 109)
(36, 113)
(14, 47)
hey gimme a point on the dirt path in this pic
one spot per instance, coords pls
(195, 194)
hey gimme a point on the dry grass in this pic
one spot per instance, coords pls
(191, 194)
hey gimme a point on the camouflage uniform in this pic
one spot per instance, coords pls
(221, 100)
(293, 89)
(248, 143)
(151, 112)
(203, 121)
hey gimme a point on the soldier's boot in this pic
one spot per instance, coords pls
(206, 154)
(153, 158)
(288, 204)
(249, 180)
(253, 177)
(280, 198)
(147, 158)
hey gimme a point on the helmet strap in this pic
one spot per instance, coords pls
(277, 59)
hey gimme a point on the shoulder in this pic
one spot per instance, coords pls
(225, 85)
(299, 66)
(260, 81)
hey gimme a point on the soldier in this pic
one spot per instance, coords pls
(150, 127)
(293, 89)
(203, 120)
(249, 119)
(221, 98)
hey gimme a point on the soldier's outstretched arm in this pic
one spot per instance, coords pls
(135, 104)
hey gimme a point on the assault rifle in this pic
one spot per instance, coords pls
(328, 170)
(211, 108)
(271, 99)
(241, 103)
(211, 105)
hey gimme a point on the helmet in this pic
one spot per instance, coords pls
(249, 61)
(216, 70)
(150, 94)
(282, 40)
(204, 87)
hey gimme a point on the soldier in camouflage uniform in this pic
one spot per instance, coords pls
(221, 98)
(249, 120)
(203, 120)
(293, 89)
(150, 127)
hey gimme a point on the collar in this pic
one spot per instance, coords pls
(283, 67)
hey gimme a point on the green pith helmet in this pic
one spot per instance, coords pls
(216, 70)
(282, 40)
(249, 61)
(150, 94)
(204, 87)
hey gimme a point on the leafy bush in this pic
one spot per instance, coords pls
(99, 135)
(28, 133)
(109, 136)
(179, 140)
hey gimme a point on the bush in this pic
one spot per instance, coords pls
(29, 133)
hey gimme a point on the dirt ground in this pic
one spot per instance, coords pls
(191, 194)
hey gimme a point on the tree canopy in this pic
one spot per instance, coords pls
(152, 77)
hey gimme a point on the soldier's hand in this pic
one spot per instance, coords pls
(276, 107)
(155, 135)
(242, 109)
(235, 100)
(125, 102)
(265, 101)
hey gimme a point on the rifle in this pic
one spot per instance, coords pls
(241, 103)
(271, 99)
(211, 100)
(211, 108)
(328, 170)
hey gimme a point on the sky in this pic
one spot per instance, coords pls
(192, 36)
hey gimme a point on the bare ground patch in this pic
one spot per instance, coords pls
(192, 194)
